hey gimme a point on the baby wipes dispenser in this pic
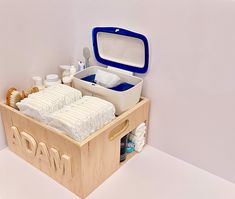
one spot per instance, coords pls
(123, 52)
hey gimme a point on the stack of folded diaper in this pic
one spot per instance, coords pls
(83, 117)
(138, 137)
(64, 108)
(39, 105)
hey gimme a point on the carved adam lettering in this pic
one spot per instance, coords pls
(40, 154)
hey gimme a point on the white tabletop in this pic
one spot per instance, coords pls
(149, 175)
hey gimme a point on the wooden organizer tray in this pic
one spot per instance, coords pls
(79, 166)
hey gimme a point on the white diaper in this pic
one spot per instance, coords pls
(83, 117)
(64, 108)
(39, 105)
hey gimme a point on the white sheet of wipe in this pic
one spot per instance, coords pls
(106, 79)
(64, 108)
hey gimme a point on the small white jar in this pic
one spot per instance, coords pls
(51, 80)
(73, 70)
(37, 81)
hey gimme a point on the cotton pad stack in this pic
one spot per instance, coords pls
(40, 105)
(83, 117)
(138, 137)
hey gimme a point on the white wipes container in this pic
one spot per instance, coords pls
(125, 53)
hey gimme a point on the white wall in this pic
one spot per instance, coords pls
(35, 37)
(191, 79)
(193, 70)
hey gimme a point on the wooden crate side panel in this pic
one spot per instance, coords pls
(7, 123)
(101, 155)
(92, 160)
(43, 148)
(147, 113)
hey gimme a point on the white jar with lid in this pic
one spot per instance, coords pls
(51, 80)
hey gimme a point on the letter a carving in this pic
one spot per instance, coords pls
(15, 137)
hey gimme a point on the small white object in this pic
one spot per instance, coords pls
(107, 79)
(138, 137)
(65, 67)
(81, 65)
(73, 70)
(67, 74)
(37, 81)
(51, 80)
(66, 70)
(67, 80)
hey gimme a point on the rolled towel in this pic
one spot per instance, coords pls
(107, 79)
(139, 147)
(134, 138)
(139, 133)
(138, 137)
(141, 127)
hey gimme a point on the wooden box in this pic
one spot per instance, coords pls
(80, 167)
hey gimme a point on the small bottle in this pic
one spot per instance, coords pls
(81, 65)
(66, 70)
(37, 82)
(123, 148)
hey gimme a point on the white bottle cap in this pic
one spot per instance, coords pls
(65, 67)
(81, 65)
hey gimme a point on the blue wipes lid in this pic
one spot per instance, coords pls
(121, 48)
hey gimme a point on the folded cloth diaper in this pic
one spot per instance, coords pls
(39, 105)
(139, 147)
(107, 79)
(135, 138)
(83, 117)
